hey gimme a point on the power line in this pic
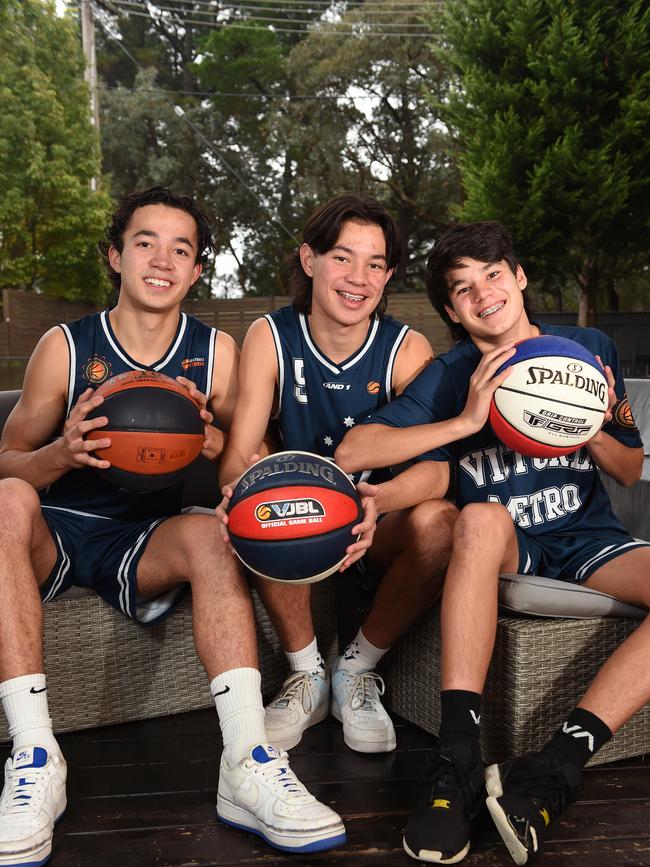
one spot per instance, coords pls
(242, 95)
(127, 4)
(327, 4)
(317, 27)
(180, 113)
(320, 6)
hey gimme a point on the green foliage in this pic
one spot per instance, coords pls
(274, 130)
(550, 105)
(49, 219)
(387, 143)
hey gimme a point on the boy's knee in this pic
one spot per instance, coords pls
(430, 526)
(19, 501)
(478, 519)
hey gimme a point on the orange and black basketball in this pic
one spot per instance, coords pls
(155, 429)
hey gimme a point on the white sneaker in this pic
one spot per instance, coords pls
(262, 794)
(367, 727)
(302, 702)
(33, 799)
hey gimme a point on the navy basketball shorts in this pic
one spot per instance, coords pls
(103, 554)
(571, 558)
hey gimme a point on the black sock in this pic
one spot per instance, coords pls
(579, 738)
(460, 714)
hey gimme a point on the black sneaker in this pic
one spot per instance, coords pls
(525, 795)
(438, 830)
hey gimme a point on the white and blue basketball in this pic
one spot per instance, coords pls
(291, 517)
(554, 400)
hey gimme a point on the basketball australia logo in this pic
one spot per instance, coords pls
(373, 387)
(622, 414)
(306, 510)
(96, 370)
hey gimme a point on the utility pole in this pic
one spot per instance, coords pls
(90, 74)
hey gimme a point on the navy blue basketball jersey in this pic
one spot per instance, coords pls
(543, 495)
(95, 355)
(320, 400)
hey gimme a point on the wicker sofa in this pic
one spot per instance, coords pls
(103, 669)
(540, 666)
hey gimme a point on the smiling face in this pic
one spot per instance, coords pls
(486, 298)
(348, 280)
(157, 264)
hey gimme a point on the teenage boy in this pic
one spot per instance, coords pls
(512, 520)
(135, 550)
(313, 369)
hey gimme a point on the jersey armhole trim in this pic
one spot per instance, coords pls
(391, 361)
(212, 351)
(280, 360)
(72, 366)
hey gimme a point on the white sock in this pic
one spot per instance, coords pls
(307, 659)
(361, 655)
(238, 698)
(24, 700)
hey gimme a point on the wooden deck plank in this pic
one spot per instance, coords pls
(144, 794)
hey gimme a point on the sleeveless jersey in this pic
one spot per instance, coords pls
(94, 356)
(544, 495)
(319, 400)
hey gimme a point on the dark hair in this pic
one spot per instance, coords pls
(153, 196)
(322, 232)
(487, 241)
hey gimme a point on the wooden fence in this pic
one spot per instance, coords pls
(27, 316)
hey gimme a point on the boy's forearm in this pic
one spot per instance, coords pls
(426, 480)
(371, 446)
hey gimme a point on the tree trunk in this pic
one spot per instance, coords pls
(556, 297)
(588, 284)
(613, 298)
(404, 224)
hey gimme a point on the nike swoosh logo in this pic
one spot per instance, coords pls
(221, 692)
(34, 691)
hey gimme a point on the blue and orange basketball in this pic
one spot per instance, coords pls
(554, 400)
(291, 517)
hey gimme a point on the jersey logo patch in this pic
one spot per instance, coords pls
(622, 415)
(186, 363)
(96, 370)
(373, 387)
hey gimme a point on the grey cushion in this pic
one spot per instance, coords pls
(546, 597)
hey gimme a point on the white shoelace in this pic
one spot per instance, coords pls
(279, 775)
(29, 786)
(296, 686)
(366, 689)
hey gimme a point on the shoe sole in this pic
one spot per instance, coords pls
(518, 852)
(387, 745)
(288, 743)
(237, 817)
(42, 854)
(435, 857)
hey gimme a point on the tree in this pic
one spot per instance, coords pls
(276, 123)
(550, 107)
(385, 141)
(50, 220)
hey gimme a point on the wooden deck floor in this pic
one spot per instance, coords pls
(143, 795)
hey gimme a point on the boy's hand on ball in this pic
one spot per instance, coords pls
(214, 438)
(222, 513)
(611, 392)
(222, 508)
(366, 529)
(482, 385)
(76, 449)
